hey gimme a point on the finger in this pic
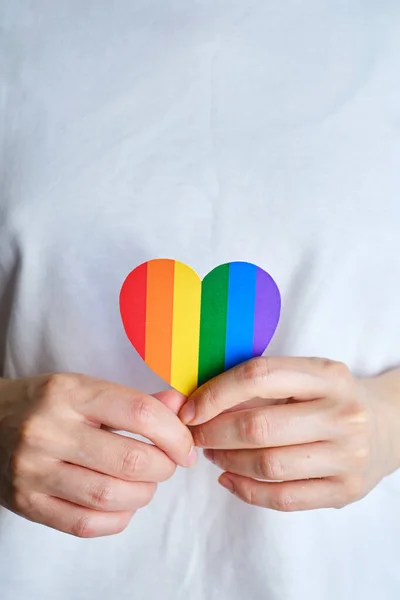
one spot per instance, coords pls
(269, 378)
(118, 456)
(287, 496)
(258, 403)
(292, 463)
(273, 426)
(132, 411)
(94, 490)
(76, 520)
(171, 399)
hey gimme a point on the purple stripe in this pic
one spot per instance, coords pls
(267, 311)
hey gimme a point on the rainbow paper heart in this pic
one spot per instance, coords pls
(188, 331)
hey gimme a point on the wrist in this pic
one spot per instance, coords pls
(383, 395)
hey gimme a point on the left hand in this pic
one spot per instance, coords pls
(298, 433)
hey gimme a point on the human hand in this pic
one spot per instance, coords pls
(62, 466)
(300, 433)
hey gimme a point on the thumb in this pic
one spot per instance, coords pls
(171, 399)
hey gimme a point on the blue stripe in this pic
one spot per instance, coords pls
(240, 317)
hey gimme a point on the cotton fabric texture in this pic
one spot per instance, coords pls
(206, 131)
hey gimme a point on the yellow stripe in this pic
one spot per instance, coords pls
(185, 329)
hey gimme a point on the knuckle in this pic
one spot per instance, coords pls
(348, 490)
(33, 433)
(361, 455)
(133, 462)
(269, 466)
(340, 375)
(336, 369)
(100, 496)
(142, 412)
(256, 428)
(22, 474)
(249, 494)
(354, 489)
(282, 501)
(224, 459)
(25, 503)
(210, 393)
(19, 465)
(56, 383)
(82, 527)
(355, 417)
(21, 502)
(254, 369)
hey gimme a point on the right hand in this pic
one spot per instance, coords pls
(60, 465)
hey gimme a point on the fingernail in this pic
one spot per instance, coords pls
(209, 454)
(227, 483)
(192, 457)
(188, 413)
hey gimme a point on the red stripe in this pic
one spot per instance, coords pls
(132, 303)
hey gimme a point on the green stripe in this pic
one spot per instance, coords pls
(214, 309)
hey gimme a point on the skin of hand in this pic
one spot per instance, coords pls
(61, 463)
(296, 434)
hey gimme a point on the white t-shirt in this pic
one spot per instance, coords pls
(206, 131)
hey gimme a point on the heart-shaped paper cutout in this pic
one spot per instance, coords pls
(188, 331)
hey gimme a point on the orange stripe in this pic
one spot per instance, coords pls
(159, 309)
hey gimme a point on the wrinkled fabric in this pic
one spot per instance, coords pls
(205, 131)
